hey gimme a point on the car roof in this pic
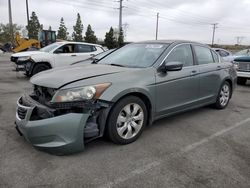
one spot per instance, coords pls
(170, 41)
(73, 42)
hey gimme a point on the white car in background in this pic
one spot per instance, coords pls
(54, 55)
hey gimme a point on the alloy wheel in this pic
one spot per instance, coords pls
(130, 121)
(224, 95)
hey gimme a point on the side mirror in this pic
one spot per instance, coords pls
(171, 66)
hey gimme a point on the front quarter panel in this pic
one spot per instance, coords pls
(45, 57)
(133, 80)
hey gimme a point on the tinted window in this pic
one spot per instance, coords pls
(181, 54)
(222, 53)
(203, 54)
(67, 48)
(215, 56)
(81, 48)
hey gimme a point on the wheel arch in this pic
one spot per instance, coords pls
(230, 83)
(39, 63)
(144, 97)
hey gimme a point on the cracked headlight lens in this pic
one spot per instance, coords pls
(81, 93)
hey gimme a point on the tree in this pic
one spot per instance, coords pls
(50, 28)
(109, 40)
(5, 35)
(120, 39)
(90, 35)
(33, 26)
(78, 28)
(62, 31)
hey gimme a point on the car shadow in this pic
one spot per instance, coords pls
(103, 143)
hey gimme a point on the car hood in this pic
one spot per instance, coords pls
(28, 53)
(243, 58)
(59, 77)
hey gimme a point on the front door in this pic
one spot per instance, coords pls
(65, 55)
(177, 90)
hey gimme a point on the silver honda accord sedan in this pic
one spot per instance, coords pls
(121, 93)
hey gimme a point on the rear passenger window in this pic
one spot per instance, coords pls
(81, 48)
(215, 56)
(223, 53)
(181, 54)
(203, 55)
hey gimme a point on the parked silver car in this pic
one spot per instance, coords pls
(126, 90)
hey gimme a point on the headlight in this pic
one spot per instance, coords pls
(25, 58)
(82, 93)
(236, 65)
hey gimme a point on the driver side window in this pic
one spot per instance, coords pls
(67, 48)
(183, 54)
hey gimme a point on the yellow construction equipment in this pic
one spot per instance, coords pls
(24, 44)
(45, 38)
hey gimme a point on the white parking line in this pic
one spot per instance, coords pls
(186, 149)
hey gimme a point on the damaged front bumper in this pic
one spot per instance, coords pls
(25, 66)
(55, 133)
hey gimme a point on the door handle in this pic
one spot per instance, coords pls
(219, 67)
(194, 72)
(73, 55)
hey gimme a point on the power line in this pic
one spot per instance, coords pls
(86, 5)
(148, 5)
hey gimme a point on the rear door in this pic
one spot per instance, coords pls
(177, 90)
(210, 70)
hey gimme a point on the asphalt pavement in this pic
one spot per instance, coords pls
(200, 148)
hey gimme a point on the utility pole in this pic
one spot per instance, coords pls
(239, 39)
(214, 27)
(27, 11)
(10, 23)
(120, 16)
(157, 23)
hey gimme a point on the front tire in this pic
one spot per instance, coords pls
(223, 96)
(39, 68)
(127, 120)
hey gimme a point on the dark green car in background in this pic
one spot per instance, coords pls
(243, 69)
(122, 93)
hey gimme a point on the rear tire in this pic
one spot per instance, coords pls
(241, 81)
(127, 120)
(224, 96)
(39, 68)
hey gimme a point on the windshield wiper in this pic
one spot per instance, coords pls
(118, 65)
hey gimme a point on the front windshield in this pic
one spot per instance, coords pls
(243, 52)
(50, 47)
(135, 55)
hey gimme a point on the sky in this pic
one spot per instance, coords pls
(178, 19)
